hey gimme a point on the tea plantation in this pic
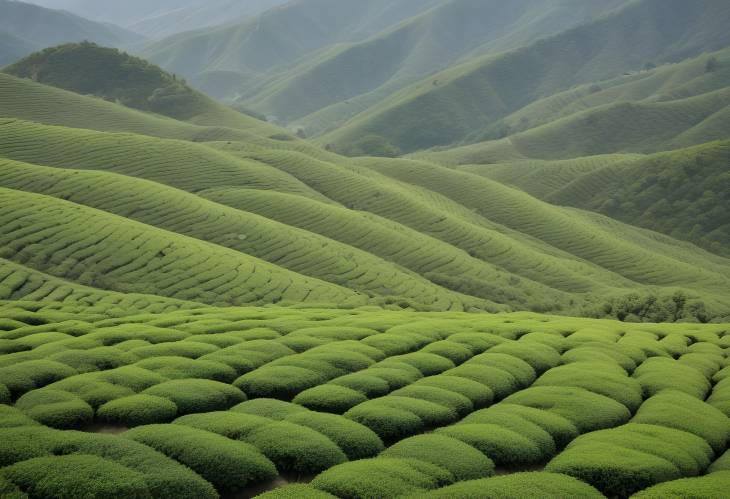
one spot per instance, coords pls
(360, 403)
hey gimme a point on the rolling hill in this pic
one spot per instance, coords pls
(264, 220)
(460, 103)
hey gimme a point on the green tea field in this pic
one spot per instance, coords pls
(361, 403)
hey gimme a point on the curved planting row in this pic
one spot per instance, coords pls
(358, 404)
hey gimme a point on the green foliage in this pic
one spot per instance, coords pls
(229, 424)
(461, 460)
(295, 448)
(501, 382)
(227, 464)
(381, 477)
(26, 376)
(197, 395)
(453, 400)
(137, 410)
(657, 374)
(712, 485)
(76, 476)
(283, 382)
(55, 408)
(269, 408)
(355, 440)
(389, 423)
(477, 393)
(297, 491)
(329, 398)
(562, 430)
(523, 485)
(503, 446)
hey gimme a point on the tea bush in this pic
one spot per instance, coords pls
(712, 485)
(137, 410)
(478, 394)
(197, 395)
(226, 423)
(355, 440)
(329, 398)
(657, 374)
(503, 446)
(269, 408)
(56, 408)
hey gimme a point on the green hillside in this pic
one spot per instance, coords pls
(13, 48)
(464, 101)
(321, 221)
(321, 94)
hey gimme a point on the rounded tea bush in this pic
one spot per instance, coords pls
(227, 464)
(605, 379)
(499, 381)
(296, 491)
(5, 397)
(600, 352)
(517, 485)
(722, 463)
(562, 430)
(396, 377)
(369, 385)
(56, 408)
(675, 409)
(26, 376)
(446, 398)
(10, 417)
(519, 425)
(521, 370)
(388, 423)
(616, 471)
(329, 398)
(137, 410)
(430, 413)
(478, 394)
(227, 423)
(541, 357)
(588, 411)
(712, 485)
(463, 461)
(296, 448)
(381, 477)
(455, 352)
(279, 382)
(659, 373)
(355, 440)
(76, 476)
(197, 395)
(428, 364)
(269, 408)
(183, 368)
(503, 446)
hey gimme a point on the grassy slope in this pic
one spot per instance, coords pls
(324, 93)
(391, 228)
(469, 98)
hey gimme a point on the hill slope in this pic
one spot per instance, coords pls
(415, 234)
(463, 101)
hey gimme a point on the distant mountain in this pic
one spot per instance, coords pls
(41, 27)
(13, 48)
(89, 69)
(464, 101)
(159, 18)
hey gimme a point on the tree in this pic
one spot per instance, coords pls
(712, 65)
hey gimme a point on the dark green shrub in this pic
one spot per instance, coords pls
(132, 377)
(5, 397)
(184, 368)
(684, 412)
(56, 408)
(137, 410)
(329, 398)
(446, 398)
(521, 370)
(355, 440)
(9, 490)
(396, 376)
(110, 336)
(605, 379)
(560, 429)
(541, 357)
(368, 385)
(712, 485)
(722, 463)
(26, 376)
(71, 477)
(337, 333)
(587, 410)
(616, 471)
(504, 447)
(296, 491)
(197, 395)
(387, 422)
(430, 413)
(517, 424)
(463, 461)
(499, 381)
(227, 464)
(188, 349)
(517, 485)
(381, 477)
(229, 424)
(658, 373)
(10, 417)
(428, 364)
(480, 395)
(269, 408)
(455, 352)
(94, 359)
(395, 344)
(296, 448)
(280, 382)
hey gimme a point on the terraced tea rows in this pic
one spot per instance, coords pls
(356, 404)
